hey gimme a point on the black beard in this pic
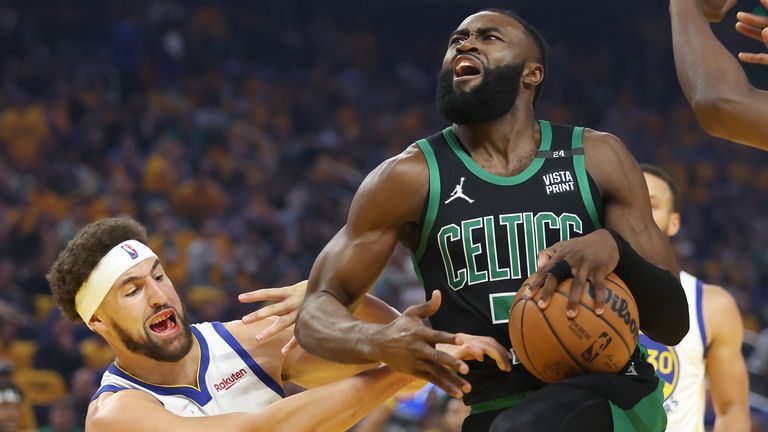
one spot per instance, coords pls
(492, 98)
(150, 348)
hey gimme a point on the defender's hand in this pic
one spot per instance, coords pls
(408, 346)
(591, 258)
(287, 301)
(476, 348)
(755, 27)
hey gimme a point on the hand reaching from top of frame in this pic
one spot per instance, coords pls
(755, 27)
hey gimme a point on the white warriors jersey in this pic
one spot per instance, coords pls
(682, 366)
(229, 380)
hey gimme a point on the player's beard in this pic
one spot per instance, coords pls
(149, 347)
(493, 97)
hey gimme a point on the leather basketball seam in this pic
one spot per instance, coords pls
(522, 340)
(560, 342)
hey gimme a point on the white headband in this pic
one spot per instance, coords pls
(116, 262)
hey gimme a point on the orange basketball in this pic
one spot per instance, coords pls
(552, 346)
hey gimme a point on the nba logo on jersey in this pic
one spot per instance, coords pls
(130, 250)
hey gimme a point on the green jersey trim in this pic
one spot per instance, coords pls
(546, 143)
(433, 201)
(647, 415)
(577, 142)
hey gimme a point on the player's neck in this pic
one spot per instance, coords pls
(182, 372)
(505, 139)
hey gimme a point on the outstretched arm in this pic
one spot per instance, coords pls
(334, 407)
(714, 83)
(726, 370)
(388, 202)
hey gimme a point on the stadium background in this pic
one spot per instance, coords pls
(238, 131)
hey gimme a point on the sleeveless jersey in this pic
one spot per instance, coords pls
(682, 366)
(229, 380)
(481, 234)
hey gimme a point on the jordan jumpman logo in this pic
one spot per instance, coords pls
(458, 193)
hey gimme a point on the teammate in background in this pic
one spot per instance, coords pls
(712, 347)
(482, 205)
(173, 376)
(725, 103)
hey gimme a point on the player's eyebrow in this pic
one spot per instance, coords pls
(480, 31)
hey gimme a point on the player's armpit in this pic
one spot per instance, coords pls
(725, 366)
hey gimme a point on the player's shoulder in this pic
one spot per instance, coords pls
(610, 163)
(605, 144)
(406, 166)
(108, 407)
(720, 310)
(717, 297)
(393, 191)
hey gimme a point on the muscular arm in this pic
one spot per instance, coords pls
(714, 83)
(390, 197)
(310, 371)
(335, 407)
(388, 203)
(727, 372)
(627, 210)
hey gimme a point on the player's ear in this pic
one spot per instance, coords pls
(533, 74)
(673, 227)
(96, 324)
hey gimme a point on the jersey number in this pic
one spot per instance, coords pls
(500, 305)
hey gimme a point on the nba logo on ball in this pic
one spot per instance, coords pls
(664, 360)
(130, 250)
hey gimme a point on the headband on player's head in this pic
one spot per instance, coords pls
(116, 262)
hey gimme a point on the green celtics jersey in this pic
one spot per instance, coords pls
(481, 234)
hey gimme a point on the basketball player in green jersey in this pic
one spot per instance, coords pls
(714, 83)
(484, 204)
(712, 347)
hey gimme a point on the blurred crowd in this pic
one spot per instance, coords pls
(238, 132)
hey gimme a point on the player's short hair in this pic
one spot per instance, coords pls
(535, 37)
(666, 177)
(76, 262)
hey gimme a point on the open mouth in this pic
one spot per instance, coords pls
(466, 67)
(164, 322)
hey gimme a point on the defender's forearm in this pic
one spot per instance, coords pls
(735, 419)
(375, 310)
(338, 406)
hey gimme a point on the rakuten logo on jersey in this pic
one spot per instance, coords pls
(229, 381)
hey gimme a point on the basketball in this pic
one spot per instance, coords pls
(553, 347)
